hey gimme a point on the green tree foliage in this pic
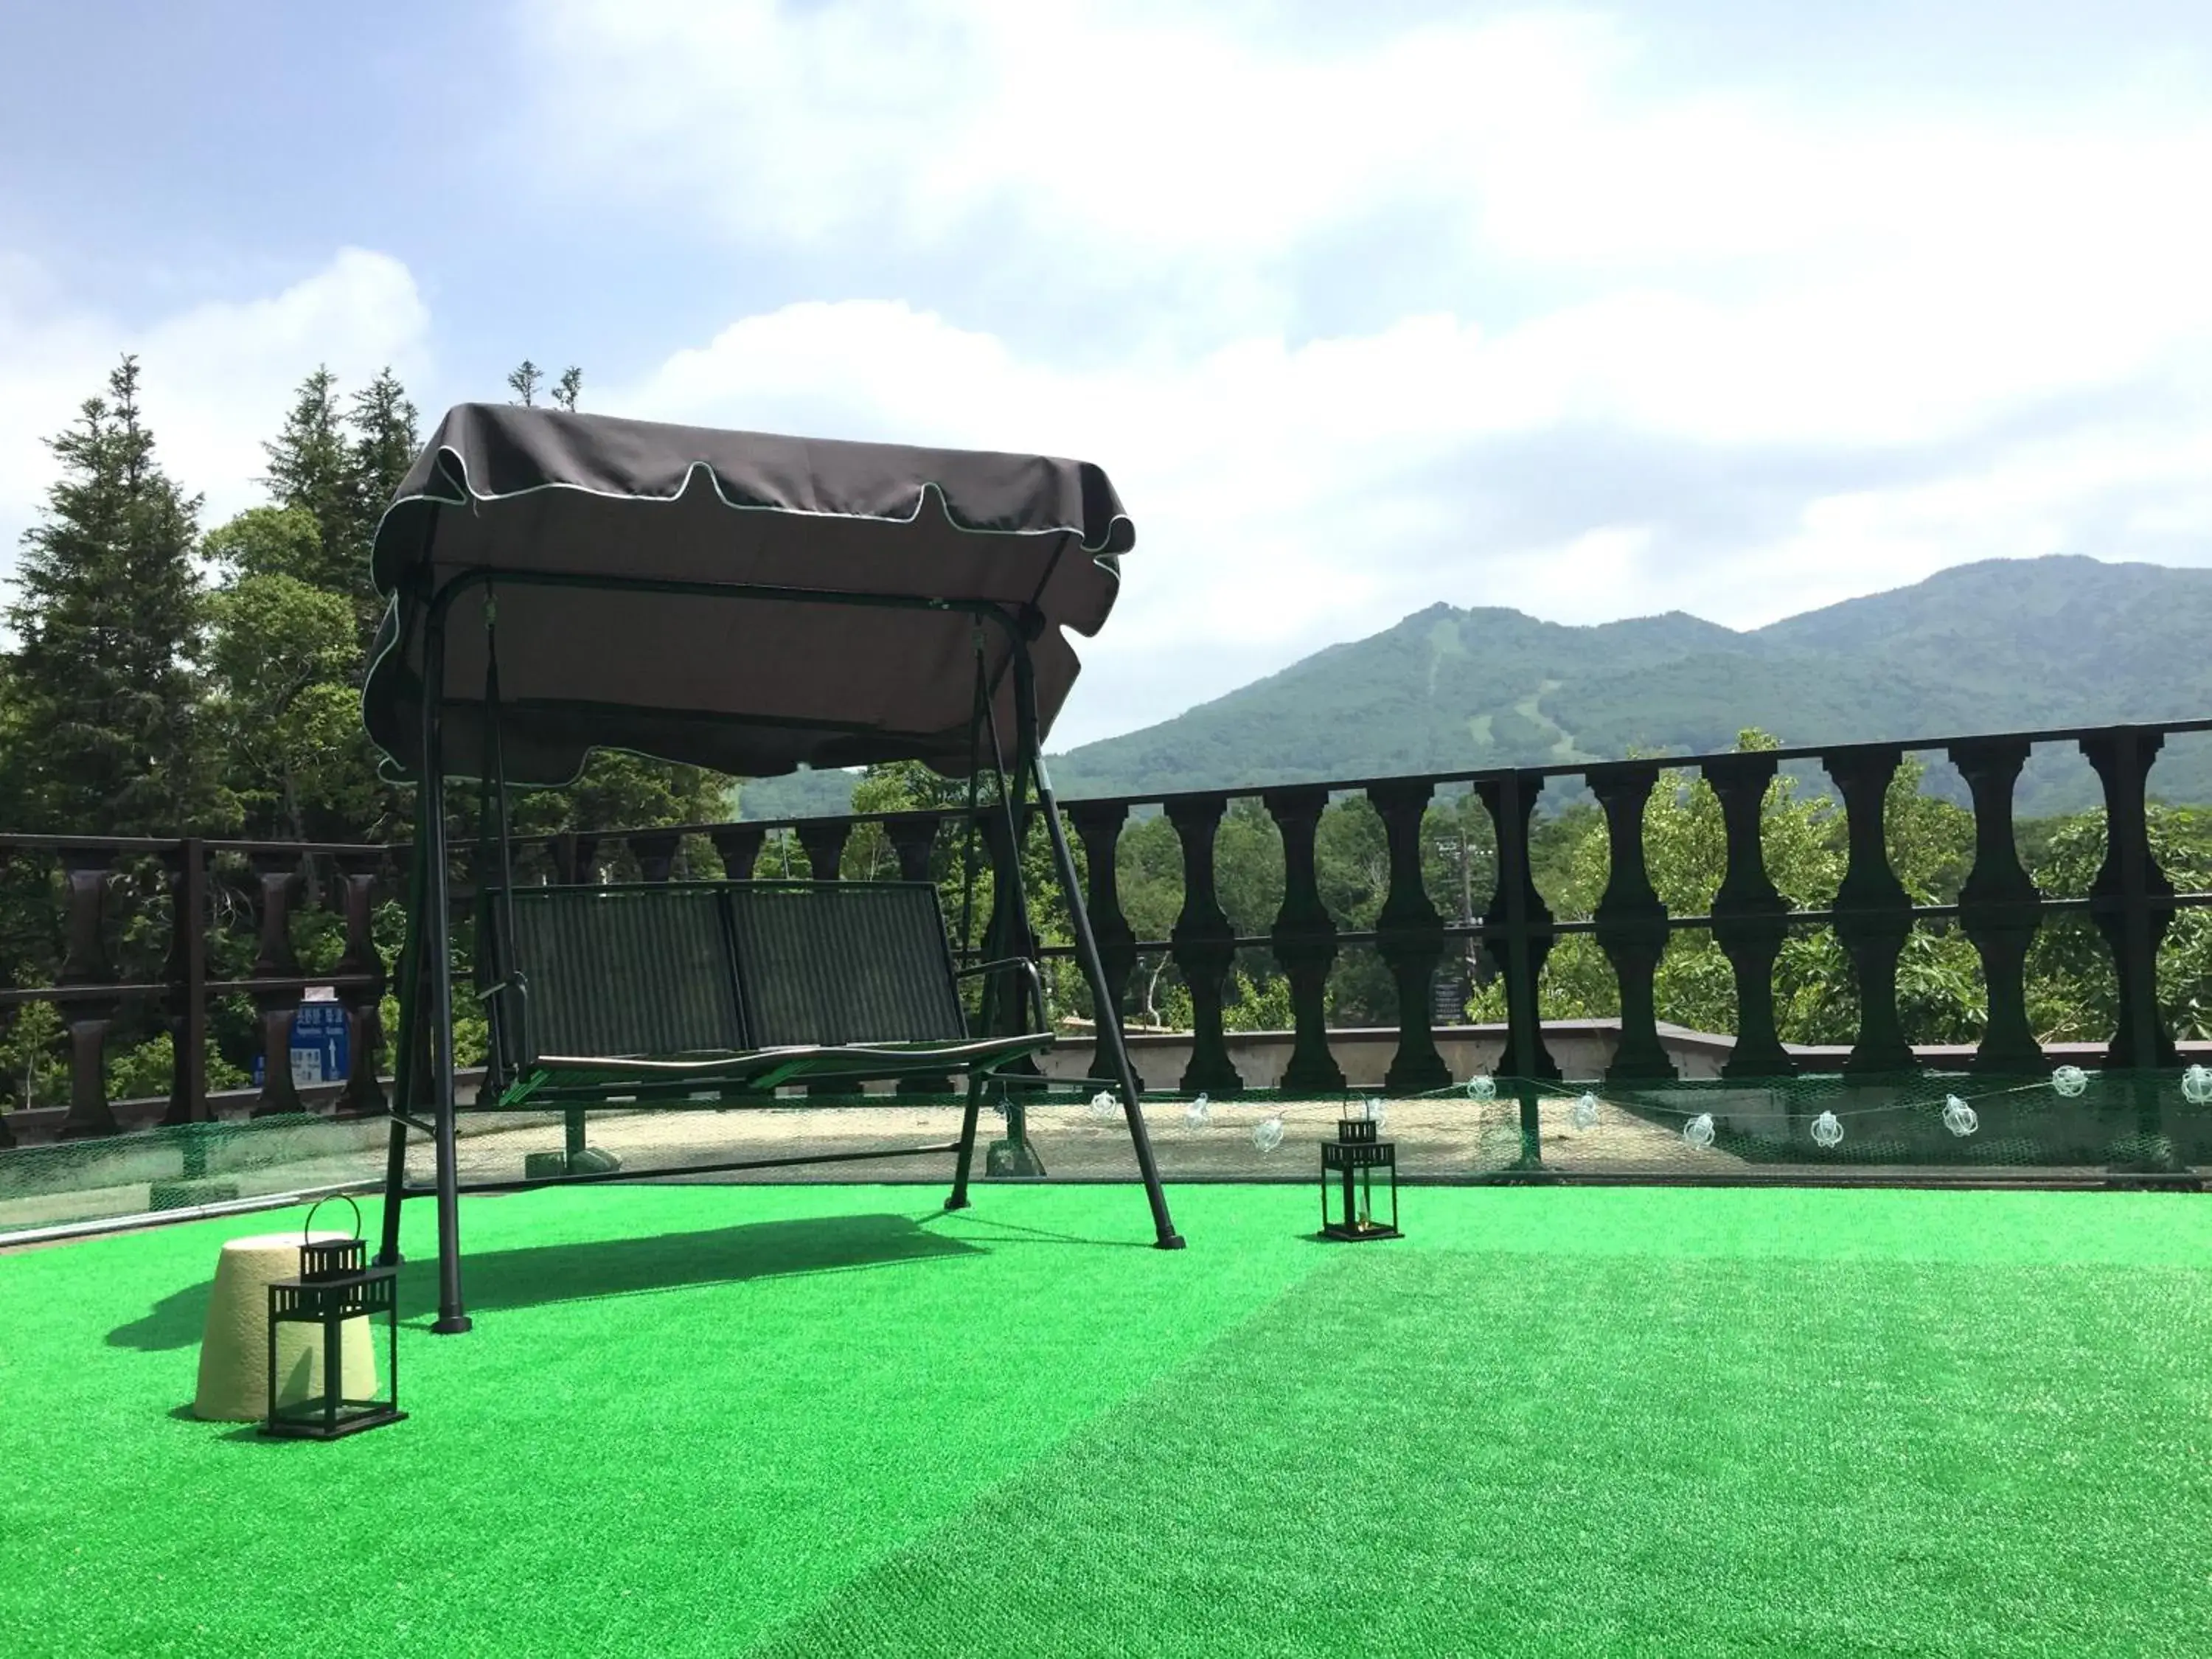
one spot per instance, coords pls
(383, 432)
(288, 714)
(310, 472)
(526, 380)
(104, 685)
(338, 466)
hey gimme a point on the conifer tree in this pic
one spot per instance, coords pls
(105, 682)
(385, 434)
(308, 470)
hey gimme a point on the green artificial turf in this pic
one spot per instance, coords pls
(829, 1421)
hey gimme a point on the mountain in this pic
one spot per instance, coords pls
(2003, 644)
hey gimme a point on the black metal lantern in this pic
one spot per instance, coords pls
(335, 1287)
(1349, 1166)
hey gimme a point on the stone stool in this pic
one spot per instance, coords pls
(234, 1386)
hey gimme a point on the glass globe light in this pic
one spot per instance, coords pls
(1828, 1130)
(2070, 1080)
(2197, 1085)
(1584, 1113)
(1103, 1105)
(1199, 1112)
(1699, 1131)
(1481, 1087)
(1267, 1132)
(1374, 1110)
(1958, 1117)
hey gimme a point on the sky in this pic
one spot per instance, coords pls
(1733, 308)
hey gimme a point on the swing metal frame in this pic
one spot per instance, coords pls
(426, 1062)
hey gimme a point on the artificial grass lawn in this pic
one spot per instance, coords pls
(827, 1421)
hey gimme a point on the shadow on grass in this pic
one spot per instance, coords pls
(244, 1434)
(535, 1275)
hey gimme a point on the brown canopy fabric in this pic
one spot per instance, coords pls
(748, 686)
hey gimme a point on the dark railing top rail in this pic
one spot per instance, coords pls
(1442, 780)
(13, 840)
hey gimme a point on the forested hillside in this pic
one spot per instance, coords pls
(2005, 645)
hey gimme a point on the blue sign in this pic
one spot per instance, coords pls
(321, 1047)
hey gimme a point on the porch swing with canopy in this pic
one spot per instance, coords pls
(560, 583)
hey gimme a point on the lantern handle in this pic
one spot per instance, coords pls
(307, 1227)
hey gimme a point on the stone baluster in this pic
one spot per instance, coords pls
(1305, 940)
(575, 858)
(277, 878)
(1202, 946)
(1873, 913)
(185, 1013)
(1632, 922)
(85, 872)
(824, 840)
(1750, 916)
(1007, 934)
(7, 1135)
(2131, 900)
(913, 836)
(1098, 826)
(655, 851)
(1409, 938)
(1999, 907)
(1517, 912)
(739, 846)
(363, 1004)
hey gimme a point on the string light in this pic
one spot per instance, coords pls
(1267, 1132)
(2070, 1080)
(1481, 1087)
(1374, 1110)
(2197, 1085)
(1103, 1105)
(1959, 1118)
(1199, 1112)
(1584, 1114)
(1828, 1130)
(1699, 1131)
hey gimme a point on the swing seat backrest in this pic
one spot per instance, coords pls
(617, 970)
(831, 962)
(668, 969)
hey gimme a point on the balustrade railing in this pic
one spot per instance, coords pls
(2131, 903)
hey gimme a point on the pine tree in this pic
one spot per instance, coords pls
(525, 378)
(385, 435)
(105, 683)
(308, 469)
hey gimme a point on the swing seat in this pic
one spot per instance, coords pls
(718, 993)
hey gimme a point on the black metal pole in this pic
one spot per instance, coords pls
(405, 1069)
(436, 935)
(1108, 1025)
(1011, 935)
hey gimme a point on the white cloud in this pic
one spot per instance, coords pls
(1296, 495)
(1876, 340)
(1140, 128)
(216, 378)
